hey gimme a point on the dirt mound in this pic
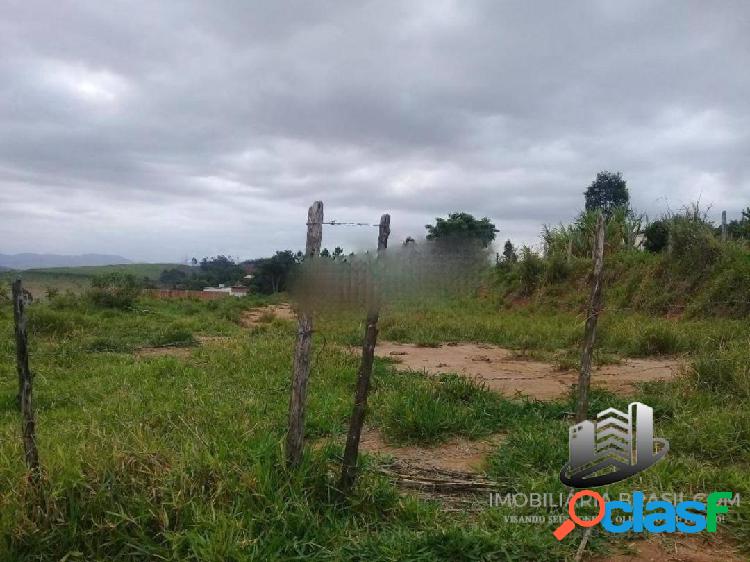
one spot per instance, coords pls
(258, 316)
(678, 548)
(504, 372)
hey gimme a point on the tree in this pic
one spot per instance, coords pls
(338, 251)
(462, 226)
(221, 269)
(173, 278)
(739, 229)
(509, 253)
(272, 274)
(607, 192)
(325, 253)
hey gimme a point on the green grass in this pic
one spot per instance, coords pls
(77, 279)
(150, 270)
(182, 458)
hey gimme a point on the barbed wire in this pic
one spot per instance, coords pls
(340, 223)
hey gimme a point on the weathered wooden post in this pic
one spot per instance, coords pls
(351, 451)
(25, 379)
(723, 226)
(595, 305)
(302, 348)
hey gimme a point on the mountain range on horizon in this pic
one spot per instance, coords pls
(38, 261)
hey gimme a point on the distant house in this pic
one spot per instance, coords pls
(234, 290)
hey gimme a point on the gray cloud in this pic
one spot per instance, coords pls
(161, 130)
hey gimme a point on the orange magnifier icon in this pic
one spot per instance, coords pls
(569, 524)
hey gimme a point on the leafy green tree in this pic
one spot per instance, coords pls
(272, 274)
(607, 192)
(173, 278)
(462, 227)
(220, 269)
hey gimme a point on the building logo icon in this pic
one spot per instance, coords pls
(612, 448)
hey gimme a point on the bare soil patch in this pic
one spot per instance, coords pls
(258, 316)
(501, 370)
(678, 548)
(457, 455)
(449, 473)
(212, 340)
(179, 352)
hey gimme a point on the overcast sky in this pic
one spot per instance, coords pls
(165, 130)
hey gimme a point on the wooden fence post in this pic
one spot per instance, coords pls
(723, 226)
(595, 305)
(25, 379)
(302, 348)
(351, 451)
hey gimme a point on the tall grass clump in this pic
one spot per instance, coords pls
(530, 271)
(693, 247)
(726, 371)
(657, 339)
(114, 290)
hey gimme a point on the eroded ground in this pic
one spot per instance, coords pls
(676, 548)
(459, 455)
(501, 370)
(257, 316)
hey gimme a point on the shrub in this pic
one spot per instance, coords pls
(531, 270)
(694, 245)
(657, 236)
(114, 290)
(558, 269)
(66, 300)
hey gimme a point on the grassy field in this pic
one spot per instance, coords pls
(181, 458)
(78, 279)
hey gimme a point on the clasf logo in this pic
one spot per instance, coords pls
(654, 516)
(613, 447)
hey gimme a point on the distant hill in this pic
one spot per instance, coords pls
(38, 261)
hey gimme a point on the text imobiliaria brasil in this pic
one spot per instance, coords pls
(638, 512)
